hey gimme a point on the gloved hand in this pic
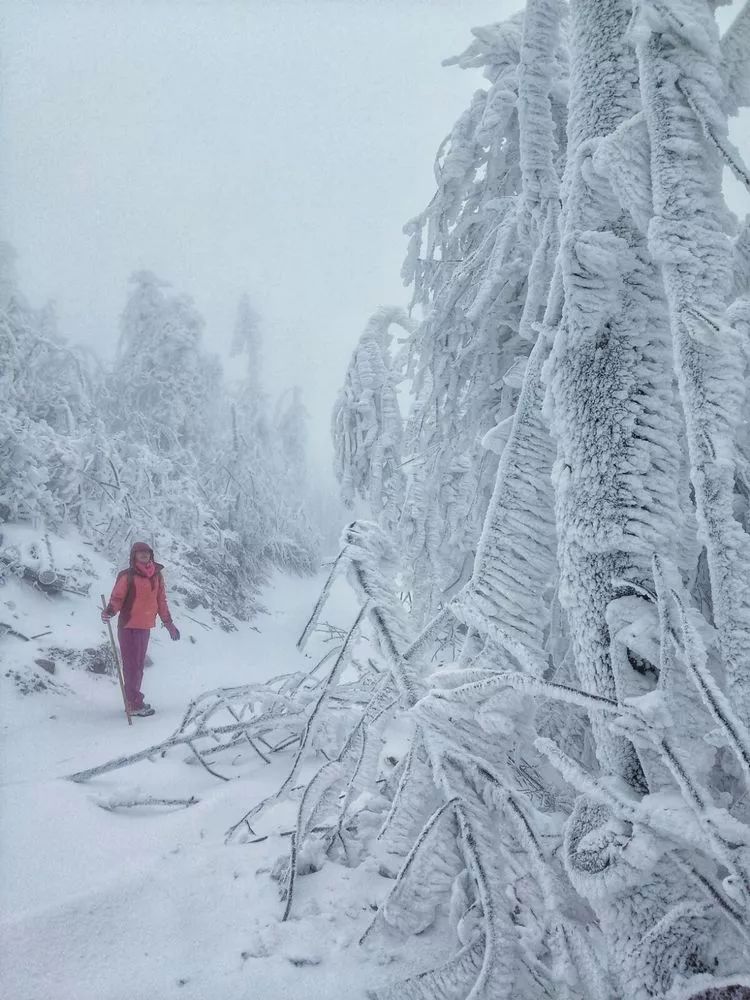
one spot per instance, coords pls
(106, 616)
(174, 632)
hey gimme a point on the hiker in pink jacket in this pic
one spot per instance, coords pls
(138, 596)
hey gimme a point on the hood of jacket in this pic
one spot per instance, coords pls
(143, 547)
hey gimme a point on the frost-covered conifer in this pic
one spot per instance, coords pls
(246, 342)
(468, 262)
(48, 419)
(291, 427)
(367, 423)
(514, 571)
(163, 378)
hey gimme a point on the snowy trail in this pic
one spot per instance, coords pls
(149, 902)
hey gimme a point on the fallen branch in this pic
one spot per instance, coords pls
(200, 759)
(202, 624)
(9, 630)
(157, 748)
(145, 800)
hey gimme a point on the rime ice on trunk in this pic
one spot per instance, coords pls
(609, 380)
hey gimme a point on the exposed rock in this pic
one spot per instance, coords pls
(98, 665)
(48, 665)
(26, 682)
(96, 659)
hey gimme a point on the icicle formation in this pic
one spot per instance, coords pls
(367, 423)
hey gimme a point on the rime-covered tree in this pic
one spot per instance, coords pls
(367, 423)
(49, 423)
(291, 428)
(293, 541)
(468, 262)
(246, 343)
(164, 379)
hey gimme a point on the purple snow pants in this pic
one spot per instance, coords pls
(133, 646)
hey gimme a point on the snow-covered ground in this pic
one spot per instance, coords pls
(149, 903)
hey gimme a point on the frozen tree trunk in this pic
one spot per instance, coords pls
(679, 57)
(617, 471)
(609, 378)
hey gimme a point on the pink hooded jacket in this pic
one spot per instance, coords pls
(137, 597)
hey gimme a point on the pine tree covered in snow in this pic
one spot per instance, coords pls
(50, 424)
(468, 262)
(247, 343)
(294, 541)
(291, 429)
(367, 422)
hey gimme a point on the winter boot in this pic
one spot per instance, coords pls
(144, 710)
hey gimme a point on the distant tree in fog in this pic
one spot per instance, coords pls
(367, 424)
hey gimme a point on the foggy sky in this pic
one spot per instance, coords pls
(268, 146)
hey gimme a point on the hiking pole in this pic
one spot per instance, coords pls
(117, 662)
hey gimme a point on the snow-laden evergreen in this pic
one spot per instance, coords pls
(617, 464)
(469, 256)
(367, 422)
(50, 426)
(733, 62)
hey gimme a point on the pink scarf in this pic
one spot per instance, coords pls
(146, 570)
